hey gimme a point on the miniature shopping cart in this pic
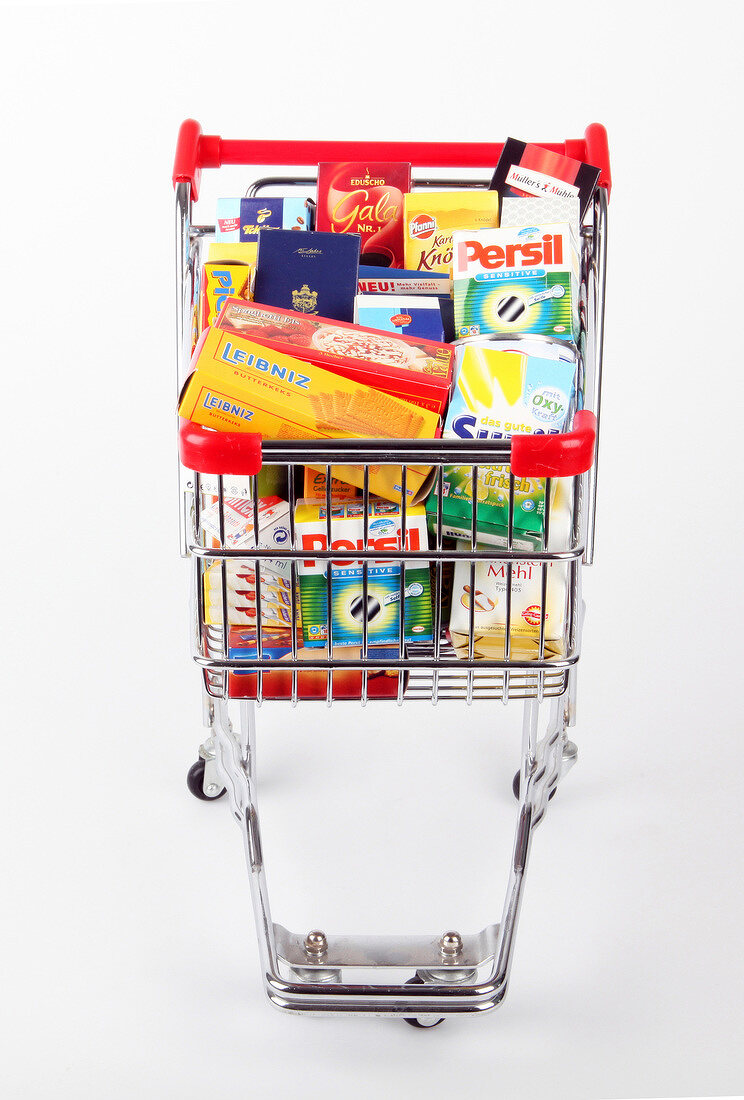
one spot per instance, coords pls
(436, 974)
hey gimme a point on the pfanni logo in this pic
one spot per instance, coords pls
(422, 227)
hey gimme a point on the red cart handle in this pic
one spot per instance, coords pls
(556, 455)
(239, 453)
(210, 452)
(196, 150)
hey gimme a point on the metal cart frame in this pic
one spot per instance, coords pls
(450, 972)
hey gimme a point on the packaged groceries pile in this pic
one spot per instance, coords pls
(376, 310)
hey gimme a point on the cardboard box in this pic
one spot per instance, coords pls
(431, 218)
(239, 220)
(313, 273)
(315, 487)
(500, 394)
(221, 281)
(366, 199)
(487, 594)
(532, 170)
(239, 385)
(380, 280)
(418, 370)
(310, 683)
(517, 282)
(226, 253)
(543, 211)
(416, 318)
(382, 609)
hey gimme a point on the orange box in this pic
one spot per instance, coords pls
(239, 385)
(414, 369)
(315, 487)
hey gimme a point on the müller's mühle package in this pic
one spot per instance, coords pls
(531, 170)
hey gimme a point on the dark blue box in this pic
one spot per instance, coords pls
(313, 273)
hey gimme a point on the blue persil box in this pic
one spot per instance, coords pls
(239, 220)
(405, 316)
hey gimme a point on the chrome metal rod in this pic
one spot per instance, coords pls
(491, 553)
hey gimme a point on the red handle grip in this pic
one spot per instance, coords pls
(210, 452)
(556, 455)
(196, 150)
(239, 453)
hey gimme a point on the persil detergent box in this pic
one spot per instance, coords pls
(382, 608)
(517, 281)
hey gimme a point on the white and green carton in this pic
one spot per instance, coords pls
(348, 611)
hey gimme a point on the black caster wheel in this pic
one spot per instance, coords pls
(412, 1020)
(195, 783)
(515, 787)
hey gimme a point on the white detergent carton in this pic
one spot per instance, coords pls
(522, 280)
(348, 609)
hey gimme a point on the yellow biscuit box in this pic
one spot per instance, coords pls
(239, 385)
(431, 217)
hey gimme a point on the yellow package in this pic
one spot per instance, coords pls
(224, 252)
(431, 217)
(315, 487)
(221, 281)
(239, 385)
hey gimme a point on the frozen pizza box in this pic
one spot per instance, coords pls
(416, 370)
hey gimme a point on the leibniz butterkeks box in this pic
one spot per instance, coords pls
(415, 369)
(240, 385)
(366, 199)
(313, 273)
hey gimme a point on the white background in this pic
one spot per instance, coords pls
(130, 962)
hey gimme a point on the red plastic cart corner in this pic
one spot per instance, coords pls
(210, 452)
(556, 455)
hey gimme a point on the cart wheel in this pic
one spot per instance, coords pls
(413, 1020)
(195, 783)
(515, 787)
